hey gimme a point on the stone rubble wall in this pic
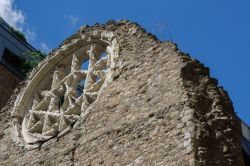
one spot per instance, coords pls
(162, 108)
(8, 82)
(217, 129)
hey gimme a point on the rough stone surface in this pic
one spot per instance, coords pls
(161, 108)
(8, 83)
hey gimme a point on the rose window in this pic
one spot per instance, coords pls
(64, 86)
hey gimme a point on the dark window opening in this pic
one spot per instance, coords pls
(11, 59)
(61, 101)
(13, 62)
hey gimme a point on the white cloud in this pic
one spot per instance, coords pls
(16, 18)
(10, 14)
(30, 35)
(44, 47)
(73, 19)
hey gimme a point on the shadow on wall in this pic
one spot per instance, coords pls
(245, 142)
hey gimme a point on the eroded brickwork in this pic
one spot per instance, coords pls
(161, 108)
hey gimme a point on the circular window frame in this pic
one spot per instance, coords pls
(23, 104)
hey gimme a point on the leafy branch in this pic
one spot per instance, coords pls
(30, 59)
(19, 34)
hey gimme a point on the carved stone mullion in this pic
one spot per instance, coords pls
(31, 120)
(75, 63)
(101, 64)
(90, 79)
(45, 124)
(109, 51)
(57, 77)
(43, 104)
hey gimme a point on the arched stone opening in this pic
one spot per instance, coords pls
(63, 87)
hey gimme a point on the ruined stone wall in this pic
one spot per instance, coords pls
(8, 82)
(161, 108)
(217, 129)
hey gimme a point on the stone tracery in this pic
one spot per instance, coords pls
(49, 107)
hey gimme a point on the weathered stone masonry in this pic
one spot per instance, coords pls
(8, 82)
(159, 107)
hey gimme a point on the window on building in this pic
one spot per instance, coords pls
(12, 61)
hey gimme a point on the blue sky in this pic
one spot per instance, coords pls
(216, 32)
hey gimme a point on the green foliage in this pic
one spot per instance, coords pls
(19, 34)
(30, 59)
